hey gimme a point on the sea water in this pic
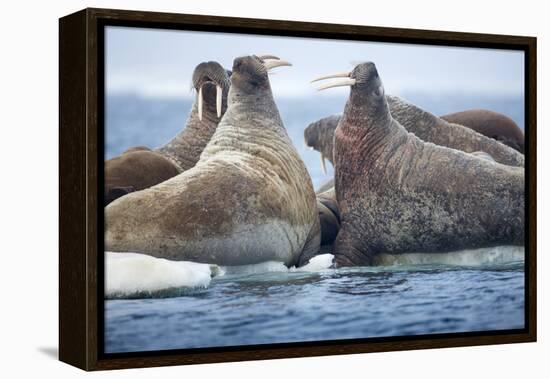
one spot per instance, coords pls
(474, 291)
(154, 304)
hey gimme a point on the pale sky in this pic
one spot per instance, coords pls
(159, 63)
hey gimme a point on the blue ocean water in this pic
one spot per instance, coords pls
(332, 304)
(296, 306)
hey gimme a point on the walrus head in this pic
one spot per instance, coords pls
(211, 81)
(250, 72)
(367, 99)
(319, 135)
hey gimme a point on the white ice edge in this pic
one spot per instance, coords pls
(467, 258)
(128, 274)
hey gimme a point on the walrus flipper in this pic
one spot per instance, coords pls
(347, 253)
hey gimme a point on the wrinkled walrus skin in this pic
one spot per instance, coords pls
(140, 167)
(491, 124)
(429, 128)
(248, 200)
(399, 194)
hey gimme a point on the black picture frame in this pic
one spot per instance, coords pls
(81, 110)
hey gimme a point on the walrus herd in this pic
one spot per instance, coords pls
(231, 189)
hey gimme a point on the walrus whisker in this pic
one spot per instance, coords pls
(338, 83)
(271, 64)
(200, 103)
(218, 100)
(337, 75)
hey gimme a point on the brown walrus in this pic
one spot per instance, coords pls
(445, 131)
(329, 219)
(399, 194)
(135, 169)
(140, 167)
(329, 212)
(491, 124)
(249, 199)
(320, 136)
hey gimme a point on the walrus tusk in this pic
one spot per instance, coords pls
(200, 103)
(323, 166)
(338, 83)
(268, 56)
(337, 75)
(270, 64)
(219, 101)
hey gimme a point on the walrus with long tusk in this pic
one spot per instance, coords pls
(140, 167)
(469, 131)
(212, 83)
(399, 194)
(249, 199)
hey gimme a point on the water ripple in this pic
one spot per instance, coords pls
(336, 304)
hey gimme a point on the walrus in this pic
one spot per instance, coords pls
(491, 124)
(329, 220)
(399, 194)
(212, 82)
(319, 135)
(249, 198)
(135, 169)
(140, 167)
(329, 211)
(468, 135)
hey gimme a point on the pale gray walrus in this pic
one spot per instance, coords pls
(469, 131)
(399, 194)
(249, 199)
(140, 167)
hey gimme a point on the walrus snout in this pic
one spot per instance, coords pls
(363, 75)
(255, 64)
(310, 135)
(211, 72)
(210, 76)
(250, 72)
(365, 72)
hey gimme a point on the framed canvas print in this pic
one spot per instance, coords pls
(239, 189)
